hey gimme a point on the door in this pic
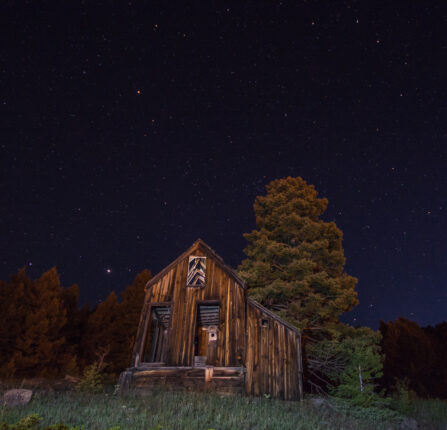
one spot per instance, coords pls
(205, 350)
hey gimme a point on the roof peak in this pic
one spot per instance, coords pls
(198, 242)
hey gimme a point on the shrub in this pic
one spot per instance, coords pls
(372, 413)
(362, 365)
(31, 422)
(91, 380)
(403, 399)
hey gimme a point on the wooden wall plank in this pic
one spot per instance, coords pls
(270, 357)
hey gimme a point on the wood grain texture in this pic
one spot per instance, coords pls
(272, 357)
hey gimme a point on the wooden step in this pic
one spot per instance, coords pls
(199, 360)
(227, 380)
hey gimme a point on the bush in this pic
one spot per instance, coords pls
(377, 413)
(92, 380)
(362, 365)
(30, 422)
(403, 399)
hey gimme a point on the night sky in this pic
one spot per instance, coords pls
(127, 132)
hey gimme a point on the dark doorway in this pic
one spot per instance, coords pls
(157, 335)
(206, 335)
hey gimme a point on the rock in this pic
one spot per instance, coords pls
(409, 424)
(322, 404)
(125, 380)
(17, 397)
(318, 402)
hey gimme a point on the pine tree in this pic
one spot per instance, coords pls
(360, 350)
(72, 331)
(100, 332)
(295, 267)
(126, 323)
(111, 327)
(39, 347)
(15, 302)
(295, 261)
(409, 354)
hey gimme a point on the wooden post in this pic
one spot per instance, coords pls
(209, 374)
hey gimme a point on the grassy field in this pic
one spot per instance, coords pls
(194, 411)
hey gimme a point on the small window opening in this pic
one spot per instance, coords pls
(196, 272)
(265, 323)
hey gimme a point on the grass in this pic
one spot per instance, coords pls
(195, 411)
(431, 413)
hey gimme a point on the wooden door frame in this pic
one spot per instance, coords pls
(146, 325)
(198, 303)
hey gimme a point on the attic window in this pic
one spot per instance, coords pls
(196, 272)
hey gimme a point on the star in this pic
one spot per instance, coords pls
(108, 270)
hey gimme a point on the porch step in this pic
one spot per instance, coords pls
(218, 379)
(199, 360)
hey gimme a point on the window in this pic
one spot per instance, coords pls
(196, 272)
(157, 334)
(264, 323)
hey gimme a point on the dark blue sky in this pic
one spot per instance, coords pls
(127, 132)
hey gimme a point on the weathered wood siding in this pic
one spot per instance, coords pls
(220, 287)
(264, 350)
(273, 356)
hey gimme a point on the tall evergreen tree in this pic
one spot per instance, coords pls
(73, 330)
(295, 261)
(100, 331)
(111, 326)
(295, 267)
(39, 347)
(126, 324)
(15, 303)
(438, 383)
(411, 355)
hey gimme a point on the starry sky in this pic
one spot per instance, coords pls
(128, 131)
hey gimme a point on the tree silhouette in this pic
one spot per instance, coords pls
(39, 348)
(126, 324)
(15, 303)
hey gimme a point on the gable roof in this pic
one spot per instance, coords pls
(273, 315)
(198, 244)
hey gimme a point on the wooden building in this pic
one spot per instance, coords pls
(199, 330)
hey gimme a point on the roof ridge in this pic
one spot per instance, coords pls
(273, 315)
(218, 258)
